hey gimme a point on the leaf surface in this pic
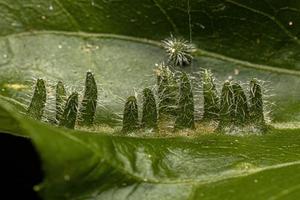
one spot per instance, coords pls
(119, 41)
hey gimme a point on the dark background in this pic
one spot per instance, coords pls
(20, 168)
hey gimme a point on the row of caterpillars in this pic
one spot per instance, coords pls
(233, 110)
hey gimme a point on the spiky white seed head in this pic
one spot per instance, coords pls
(179, 51)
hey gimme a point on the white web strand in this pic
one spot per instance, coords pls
(190, 20)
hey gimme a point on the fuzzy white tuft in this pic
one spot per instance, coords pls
(179, 51)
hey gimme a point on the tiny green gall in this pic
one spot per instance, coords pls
(38, 101)
(242, 115)
(68, 119)
(185, 107)
(149, 115)
(256, 104)
(211, 98)
(227, 111)
(89, 101)
(130, 115)
(61, 98)
(167, 91)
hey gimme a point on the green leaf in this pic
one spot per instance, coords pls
(60, 40)
(232, 28)
(85, 165)
(8, 124)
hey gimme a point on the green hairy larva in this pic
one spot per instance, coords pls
(149, 116)
(167, 91)
(256, 104)
(38, 101)
(226, 106)
(130, 116)
(61, 98)
(211, 98)
(241, 115)
(185, 110)
(69, 116)
(89, 102)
